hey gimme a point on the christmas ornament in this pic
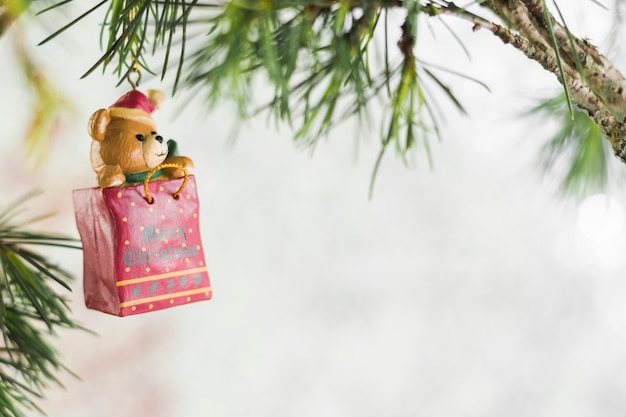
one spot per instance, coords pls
(140, 228)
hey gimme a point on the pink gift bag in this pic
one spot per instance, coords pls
(141, 256)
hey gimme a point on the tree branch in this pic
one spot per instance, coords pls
(597, 87)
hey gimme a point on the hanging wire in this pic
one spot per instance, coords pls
(133, 60)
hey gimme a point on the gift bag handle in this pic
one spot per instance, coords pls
(155, 169)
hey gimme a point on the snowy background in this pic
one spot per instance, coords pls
(467, 290)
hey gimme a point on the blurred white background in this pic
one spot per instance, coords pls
(466, 290)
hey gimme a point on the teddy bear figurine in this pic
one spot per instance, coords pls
(126, 145)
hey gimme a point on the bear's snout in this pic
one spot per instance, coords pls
(154, 150)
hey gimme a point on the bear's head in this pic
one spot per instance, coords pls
(125, 138)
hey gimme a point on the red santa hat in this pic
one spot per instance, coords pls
(137, 106)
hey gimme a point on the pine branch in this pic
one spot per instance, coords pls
(599, 89)
(31, 311)
(591, 83)
(316, 56)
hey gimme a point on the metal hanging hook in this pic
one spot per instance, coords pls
(135, 83)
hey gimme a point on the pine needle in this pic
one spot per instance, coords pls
(577, 154)
(558, 58)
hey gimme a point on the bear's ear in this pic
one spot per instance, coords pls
(98, 123)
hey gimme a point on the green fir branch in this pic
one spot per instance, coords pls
(31, 311)
(315, 56)
(314, 60)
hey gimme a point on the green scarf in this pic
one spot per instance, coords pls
(141, 176)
